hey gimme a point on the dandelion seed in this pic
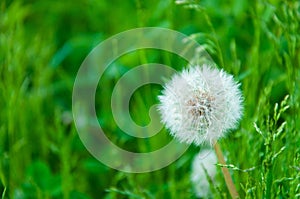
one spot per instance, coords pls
(204, 162)
(200, 104)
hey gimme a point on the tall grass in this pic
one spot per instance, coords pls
(43, 44)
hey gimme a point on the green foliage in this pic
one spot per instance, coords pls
(274, 146)
(42, 44)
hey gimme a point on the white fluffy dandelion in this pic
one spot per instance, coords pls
(204, 162)
(200, 104)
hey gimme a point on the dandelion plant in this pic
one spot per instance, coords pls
(200, 105)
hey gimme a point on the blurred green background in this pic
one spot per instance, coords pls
(43, 44)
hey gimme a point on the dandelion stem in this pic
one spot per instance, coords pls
(227, 177)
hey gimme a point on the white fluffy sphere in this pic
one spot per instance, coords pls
(203, 162)
(200, 104)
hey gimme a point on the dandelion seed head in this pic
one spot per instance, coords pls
(203, 162)
(200, 104)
